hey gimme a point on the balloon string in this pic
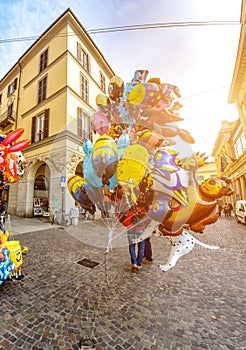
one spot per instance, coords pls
(110, 238)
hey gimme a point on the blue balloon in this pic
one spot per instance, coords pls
(87, 147)
(89, 173)
(93, 179)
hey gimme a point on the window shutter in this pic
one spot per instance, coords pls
(78, 51)
(79, 121)
(88, 64)
(15, 83)
(33, 128)
(46, 123)
(10, 111)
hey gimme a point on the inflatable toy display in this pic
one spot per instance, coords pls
(133, 169)
(10, 160)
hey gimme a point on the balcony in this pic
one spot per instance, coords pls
(7, 119)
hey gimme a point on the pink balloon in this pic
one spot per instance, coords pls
(100, 123)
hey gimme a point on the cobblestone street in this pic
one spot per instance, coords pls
(198, 304)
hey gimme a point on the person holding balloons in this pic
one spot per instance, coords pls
(134, 220)
(134, 232)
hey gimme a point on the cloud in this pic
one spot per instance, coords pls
(24, 19)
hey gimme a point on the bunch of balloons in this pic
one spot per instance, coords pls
(10, 158)
(133, 169)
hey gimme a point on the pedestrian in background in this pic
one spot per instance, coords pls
(220, 210)
(230, 209)
(226, 210)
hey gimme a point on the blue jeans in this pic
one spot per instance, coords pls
(136, 259)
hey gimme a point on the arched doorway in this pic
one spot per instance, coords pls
(79, 169)
(41, 191)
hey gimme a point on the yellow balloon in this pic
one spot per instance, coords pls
(74, 182)
(104, 157)
(132, 166)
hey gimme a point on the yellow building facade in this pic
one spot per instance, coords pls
(51, 93)
(230, 147)
(206, 171)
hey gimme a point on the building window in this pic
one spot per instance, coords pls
(84, 88)
(103, 82)
(40, 126)
(10, 110)
(1, 98)
(42, 88)
(12, 87)
(83, 119)
(43, 62)
(200, 178)
(239, 142)
(83, 58)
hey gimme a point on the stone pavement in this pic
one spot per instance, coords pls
(199, 304)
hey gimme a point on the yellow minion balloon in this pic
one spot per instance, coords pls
(132, 167)
(104, 157)
(75, 184)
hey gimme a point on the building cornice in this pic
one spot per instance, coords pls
(67, 17)
(223, 136)
(239, 75)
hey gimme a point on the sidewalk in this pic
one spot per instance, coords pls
(18, 225)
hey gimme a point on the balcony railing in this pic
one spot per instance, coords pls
(7, 119)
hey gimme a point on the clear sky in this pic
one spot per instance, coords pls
(198, 59)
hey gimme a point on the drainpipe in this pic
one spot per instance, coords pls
(18, 95)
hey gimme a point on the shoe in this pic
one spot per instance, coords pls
(134, 267)
(146, 261)
(139, 267)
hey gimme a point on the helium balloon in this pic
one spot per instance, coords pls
(116, 88)
(104, 158)
(146, 94)
(100, 123)
(87, 147)
(78, 188)
(132, 166)
(90, 174)
(160, 208)
(123, 142)
(102, 100)
(202, 209)
(152, 140)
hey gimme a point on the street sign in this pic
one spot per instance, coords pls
(63, 181)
